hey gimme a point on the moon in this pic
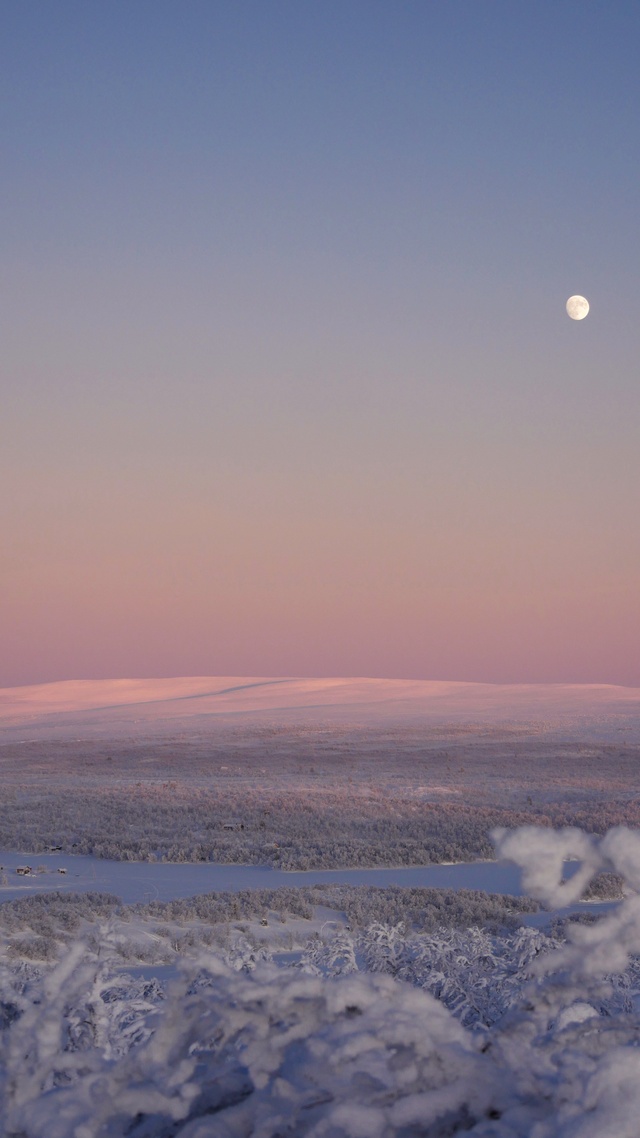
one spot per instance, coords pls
(577, 307)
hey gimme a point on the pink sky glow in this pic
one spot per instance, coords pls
(287, 382)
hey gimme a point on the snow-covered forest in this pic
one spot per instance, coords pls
(312, 796)
(380, 1028)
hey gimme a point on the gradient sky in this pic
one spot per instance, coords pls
(288, 387)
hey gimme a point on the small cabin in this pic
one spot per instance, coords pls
(24, 870)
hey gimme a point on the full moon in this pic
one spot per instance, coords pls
(577, 307)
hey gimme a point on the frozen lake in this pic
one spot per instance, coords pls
(147, 881)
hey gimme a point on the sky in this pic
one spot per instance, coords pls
(287, 383)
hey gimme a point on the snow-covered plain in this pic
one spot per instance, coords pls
(309, 774)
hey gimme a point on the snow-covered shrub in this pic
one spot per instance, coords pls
(335, 956)
(553, 1050)
(243, 956)
(263, 1054)
(478, 976)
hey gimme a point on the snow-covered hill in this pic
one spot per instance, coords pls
(104, 705)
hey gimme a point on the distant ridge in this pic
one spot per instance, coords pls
(141, 705)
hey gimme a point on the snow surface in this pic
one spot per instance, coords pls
(144, 881)
(111, 706)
